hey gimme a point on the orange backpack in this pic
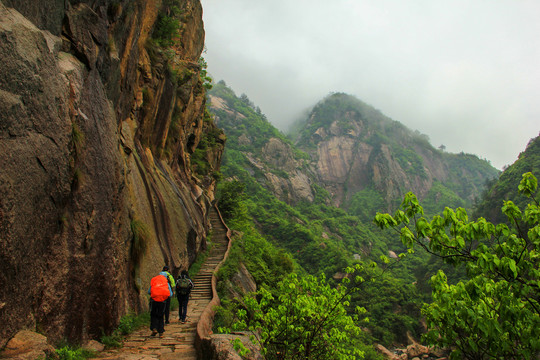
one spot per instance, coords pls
(159, 288)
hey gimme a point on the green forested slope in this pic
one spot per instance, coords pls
(317, 236)
(383, 159)
(506, 187)
(240, 118)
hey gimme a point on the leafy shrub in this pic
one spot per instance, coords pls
(203, 74)
(495, 313)
(366, 203)
(128, 324)
(303, 319)
(230, 195)
(167, 25)
(68, 352)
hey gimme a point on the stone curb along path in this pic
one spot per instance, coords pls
(178, 341)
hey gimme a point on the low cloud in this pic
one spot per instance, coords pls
(463, 72)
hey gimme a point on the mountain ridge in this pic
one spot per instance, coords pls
(348, 147)
(506, 186)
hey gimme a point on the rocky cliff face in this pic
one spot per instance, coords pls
(354, 147)
(292, 183)
(269, 156)
(98, 128)
(345, 165)
(352, 151)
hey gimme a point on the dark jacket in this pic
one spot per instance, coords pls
(178, 283)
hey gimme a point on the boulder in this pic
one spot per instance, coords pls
(438, 352)
(221, 347)
(241, 283)
(27, 345)
(339, 276)
(416, 350)
(93, 345)
(243, 280)
(388, 354)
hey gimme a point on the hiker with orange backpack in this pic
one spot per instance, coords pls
(172, 285)
(159, 291)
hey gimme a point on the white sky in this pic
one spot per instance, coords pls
(464, 72)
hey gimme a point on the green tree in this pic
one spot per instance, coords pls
(304, 318)
(230, 195)
(495, 314)
(167, 26)
(203, 74)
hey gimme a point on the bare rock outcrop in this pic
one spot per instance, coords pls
(221, 348)
(241, 283)
(411, 352)
(296, 185)
(285, 176)
(354, 147)
(27, 345)
(346, 165)
(97, 186)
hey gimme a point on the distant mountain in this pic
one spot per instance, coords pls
(268, 154)
(360, 154)
(364, 160)
(506, 186)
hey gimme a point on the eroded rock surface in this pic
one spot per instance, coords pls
(97, 132)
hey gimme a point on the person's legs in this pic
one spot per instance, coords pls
(182, 303)
(167, 310)
(180, 307)
(154, 317)
(185, 307)
(157, 313)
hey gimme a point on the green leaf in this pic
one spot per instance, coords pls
(407, 237)
(528, 184)
(513, 268)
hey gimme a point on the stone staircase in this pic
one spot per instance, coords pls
(203, 280)
(178, 341)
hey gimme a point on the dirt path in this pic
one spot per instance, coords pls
(178, 341)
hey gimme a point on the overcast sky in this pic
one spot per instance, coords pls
(464, 72)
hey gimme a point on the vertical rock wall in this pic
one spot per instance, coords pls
(97, 129)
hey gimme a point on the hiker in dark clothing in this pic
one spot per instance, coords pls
(159, 291)
(170, 278)
(183, 289)
(157, 311)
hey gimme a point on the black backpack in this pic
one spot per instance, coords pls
(183, 286)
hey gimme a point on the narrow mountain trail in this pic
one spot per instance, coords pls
(178, 341)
